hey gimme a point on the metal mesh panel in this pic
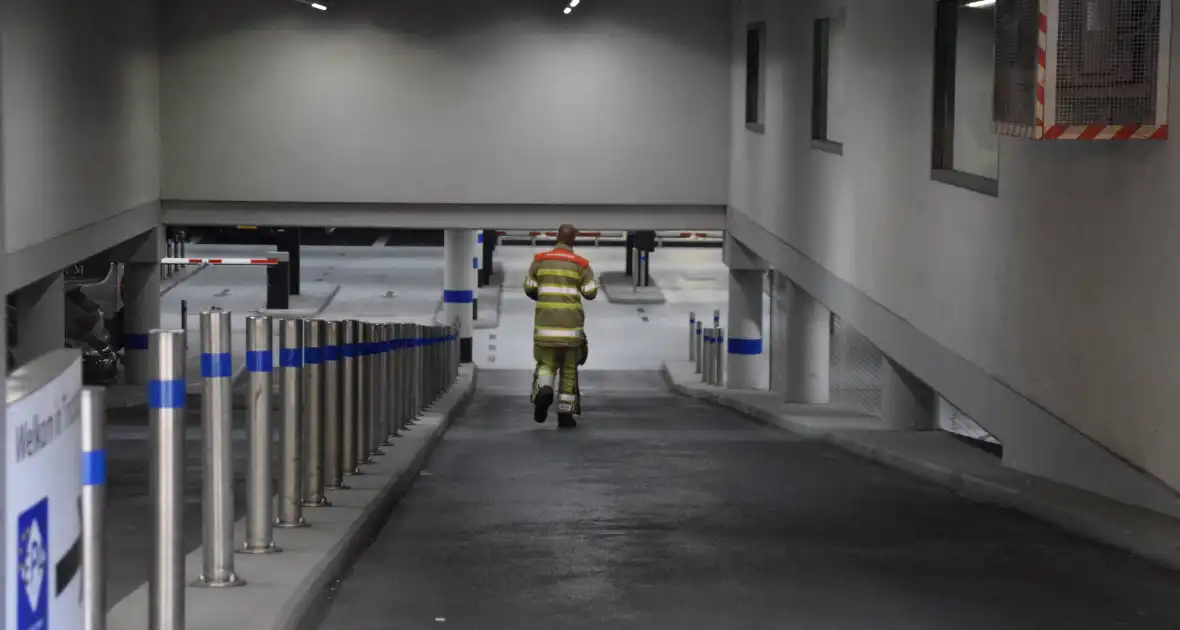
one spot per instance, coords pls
(855, 369)
(1107, 62)
(1016, 62)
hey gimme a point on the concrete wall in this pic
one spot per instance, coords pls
(1062, 288)
(447, 101)
(80, 113)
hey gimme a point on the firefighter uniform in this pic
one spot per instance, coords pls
(558, 280)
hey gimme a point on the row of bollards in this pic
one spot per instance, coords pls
(173, 248)
(706, 348)
(346, 388)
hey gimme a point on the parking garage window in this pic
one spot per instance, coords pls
(827, 84)
(755, 97)
(966, 147)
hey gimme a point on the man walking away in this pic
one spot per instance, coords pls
(558, 281)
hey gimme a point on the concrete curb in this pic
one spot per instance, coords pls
(1089, 516)
(618, 289)
(289, 590)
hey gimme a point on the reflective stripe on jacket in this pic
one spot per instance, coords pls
(559, 280)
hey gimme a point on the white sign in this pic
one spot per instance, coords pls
(43, 496)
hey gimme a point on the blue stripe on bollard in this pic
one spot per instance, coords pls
(291, 357)
(260, 361)
(313, 356)
(479, 237)
(745, 346)
(218, 365)
(94, 468)
(458, 297)
(350, 351)
(475, 263)
(166, 394)
(331, 353)
(135, 341)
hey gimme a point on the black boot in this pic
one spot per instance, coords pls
(566, 421)
(541, 402)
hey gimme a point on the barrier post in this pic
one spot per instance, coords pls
(278, 281)
(707, 362)
(313, 414)
(166, 398)
(405, 380)
(363, 385)
(94, 501)
(374, 401)
(291, 463)
(392, 427)
(333, 468)
(260, 365)
(699, 346)
(692, 324)
(719, 357)
(419, 381)
(217, 496)
(348, 396)
(386, 429)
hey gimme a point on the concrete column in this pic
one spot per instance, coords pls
(745, 329)
(40, 318)
(907, 404)
(141, 314)
(809, 335)
(458, 285)
(476, 250)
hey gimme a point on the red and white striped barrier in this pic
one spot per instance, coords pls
(229, 262)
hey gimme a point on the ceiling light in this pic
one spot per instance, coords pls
(574, 3)
(567, 10)
(979, 4)
(316, 5)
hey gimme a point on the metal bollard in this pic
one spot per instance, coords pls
(348, 397)
(692, 324)
(375, 376)
(716, 318)
(643, 269)
(390, 391)
(405, 377)
(707, 353)
(291, 450)
(217, 497)
(395, 378)
(419, 389)
(259, 511)
(386, 428)
(635, 269)
(313, 414)
(333, 368)
(719, 357)
(363, 384)
(184, 320)
(166, 398)
(94, 501)
(699, 346)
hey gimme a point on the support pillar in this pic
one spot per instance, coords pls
(458, 285)
(140, 256)
(907, 404)
(40, 318)
(289, 242)
(744, 351)
(477, 246)
(809, 336)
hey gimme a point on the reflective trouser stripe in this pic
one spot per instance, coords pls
(569, 306)
(558, 333)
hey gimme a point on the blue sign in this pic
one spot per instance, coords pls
(32, 568)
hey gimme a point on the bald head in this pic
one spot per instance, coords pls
(566, 235)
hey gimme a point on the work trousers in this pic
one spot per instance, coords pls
(550, 363)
